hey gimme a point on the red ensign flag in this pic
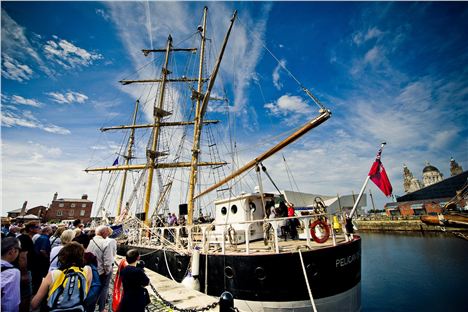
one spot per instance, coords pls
(378, 175)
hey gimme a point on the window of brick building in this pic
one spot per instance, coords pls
(83, 205)
(82, 212)
(71, 212)
(72, 205)
(61, 204)
(59, 213)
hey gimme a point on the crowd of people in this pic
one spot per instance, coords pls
(42, 263)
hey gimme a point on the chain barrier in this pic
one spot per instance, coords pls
(172, 306)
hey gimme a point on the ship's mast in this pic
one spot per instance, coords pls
(197, 120)
(131, 140)
(201, 109)
(158, 113)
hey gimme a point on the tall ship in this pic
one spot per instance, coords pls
(224, 239)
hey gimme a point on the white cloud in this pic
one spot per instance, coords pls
(17, 99)
(373, 56)
(19, 49)
(68, 97)
(41, 170)
(361, 37)
(67, 54)
(443, 138)
(276, 74)
(28, 120)
(12, 69)
(292, 107)
(103, 13)
(242, 53)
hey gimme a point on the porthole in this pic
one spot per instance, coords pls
(228, 272)
(179, 265)
(223, 210)
(260, 273)
(252, 206)
(234, 209)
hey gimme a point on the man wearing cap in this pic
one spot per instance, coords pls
(10, 276)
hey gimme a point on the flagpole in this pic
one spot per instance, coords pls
(362, 189)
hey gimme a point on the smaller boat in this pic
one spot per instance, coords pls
(455, 219)
(451, 215)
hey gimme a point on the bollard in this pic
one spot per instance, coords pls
(226, 302)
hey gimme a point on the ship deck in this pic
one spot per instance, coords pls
(285, 246)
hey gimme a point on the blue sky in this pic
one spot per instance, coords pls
(392, 71)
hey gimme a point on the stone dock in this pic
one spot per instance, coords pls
(168, 295)
(401, 225)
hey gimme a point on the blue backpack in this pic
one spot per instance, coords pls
(94, 289)
(68, 290)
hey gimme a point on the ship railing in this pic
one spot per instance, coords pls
(208, 237)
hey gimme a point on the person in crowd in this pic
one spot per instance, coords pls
(70, 257)
(201, 218)
(81, 237)
(134, 281)
(26, 263)
(42, 251)
(66, 237)
(55, 238)
(5, 230)
(292, 222)
(75, 224)
(10, 276)
(105, 249)
(13, 231)
(283, 213)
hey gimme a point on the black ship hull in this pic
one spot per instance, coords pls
(331, 271)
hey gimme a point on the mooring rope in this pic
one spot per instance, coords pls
(307, 282)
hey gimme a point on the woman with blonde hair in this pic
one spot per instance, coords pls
(66, 237)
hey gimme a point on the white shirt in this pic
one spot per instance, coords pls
(54, 257)
(105, 250)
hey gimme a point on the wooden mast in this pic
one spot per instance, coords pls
(152, 153)
(131, 140)
(197, 121)
(202, 103)
(324, 115)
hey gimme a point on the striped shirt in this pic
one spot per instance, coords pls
(10, 284)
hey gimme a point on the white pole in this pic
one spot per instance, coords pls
(307, 282)
(363, 188)
(359, 197)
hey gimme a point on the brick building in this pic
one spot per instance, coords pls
(69, 209)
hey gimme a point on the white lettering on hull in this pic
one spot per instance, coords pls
(341, 262)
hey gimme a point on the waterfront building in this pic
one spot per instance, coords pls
(69, 208)
(429, 199)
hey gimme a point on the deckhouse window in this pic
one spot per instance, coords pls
(234, 209)
(223, 211)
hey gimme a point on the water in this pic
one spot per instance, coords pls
(414, 272)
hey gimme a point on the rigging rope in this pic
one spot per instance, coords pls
(283, 66)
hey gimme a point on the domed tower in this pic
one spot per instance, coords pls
(455, 168)
(410, 183)
(431, 175)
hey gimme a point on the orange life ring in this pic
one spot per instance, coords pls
(325, 228)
